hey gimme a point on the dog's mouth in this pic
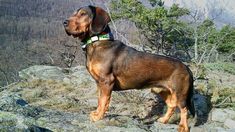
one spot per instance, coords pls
(68, 33)
(75, 34)
(79, 34)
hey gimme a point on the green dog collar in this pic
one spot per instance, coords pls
(108, 36)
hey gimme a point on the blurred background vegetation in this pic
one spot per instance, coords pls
(31, 33)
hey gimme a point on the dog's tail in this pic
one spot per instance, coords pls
(190, 101)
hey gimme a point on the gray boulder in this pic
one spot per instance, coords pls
(220, 115)
(42, 72)
(60, 99)
(77, 76)
(229, 123)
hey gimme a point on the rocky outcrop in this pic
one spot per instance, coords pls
(77, 76)
(54, 99)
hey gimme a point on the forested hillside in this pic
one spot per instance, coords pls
(31, 32)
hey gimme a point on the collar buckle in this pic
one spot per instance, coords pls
(94, 38)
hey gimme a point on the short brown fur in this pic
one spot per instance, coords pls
(115, 66)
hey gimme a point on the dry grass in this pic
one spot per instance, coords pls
(51, 94)
(223, 97)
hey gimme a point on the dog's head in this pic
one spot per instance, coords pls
(86, 21)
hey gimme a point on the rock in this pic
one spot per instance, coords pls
(122, 129)
(223, 79)
(7, 119)
(17, 115)
(220, 115)
(119, 123)
(201, 105)
(159, 127)
(42, 72)
(12, 102)
(229, 123)
(60, 99)
(210, 127)
(77, 76)
(197, 129)
(16, 122)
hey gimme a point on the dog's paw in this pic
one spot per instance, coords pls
(94, 116)
(182, 128)
(93, 113)
(162, 120)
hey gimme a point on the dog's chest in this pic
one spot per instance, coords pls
(93, 69)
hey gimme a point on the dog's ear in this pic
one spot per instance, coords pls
(100, 20)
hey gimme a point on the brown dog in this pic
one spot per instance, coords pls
(115, 66)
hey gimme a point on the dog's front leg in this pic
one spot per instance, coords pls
(105, 90)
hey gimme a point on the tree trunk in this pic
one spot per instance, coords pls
(195, 44)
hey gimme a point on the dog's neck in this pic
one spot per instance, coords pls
(102, 36)
(105, 35)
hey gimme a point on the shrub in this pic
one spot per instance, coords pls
(221, 66)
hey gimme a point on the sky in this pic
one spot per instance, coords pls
(209, 8)
(228, 5)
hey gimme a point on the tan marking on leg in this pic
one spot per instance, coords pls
(170, 100)
(167, 116)
(183, 125)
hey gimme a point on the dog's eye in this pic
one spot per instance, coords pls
(83, 14)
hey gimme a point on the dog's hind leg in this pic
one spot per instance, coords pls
(170, 100)
(183, 125)
(182, 104)
(182, 89)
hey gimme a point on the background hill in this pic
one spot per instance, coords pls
(31, 33)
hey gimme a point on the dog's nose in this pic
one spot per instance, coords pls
(65, 23)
